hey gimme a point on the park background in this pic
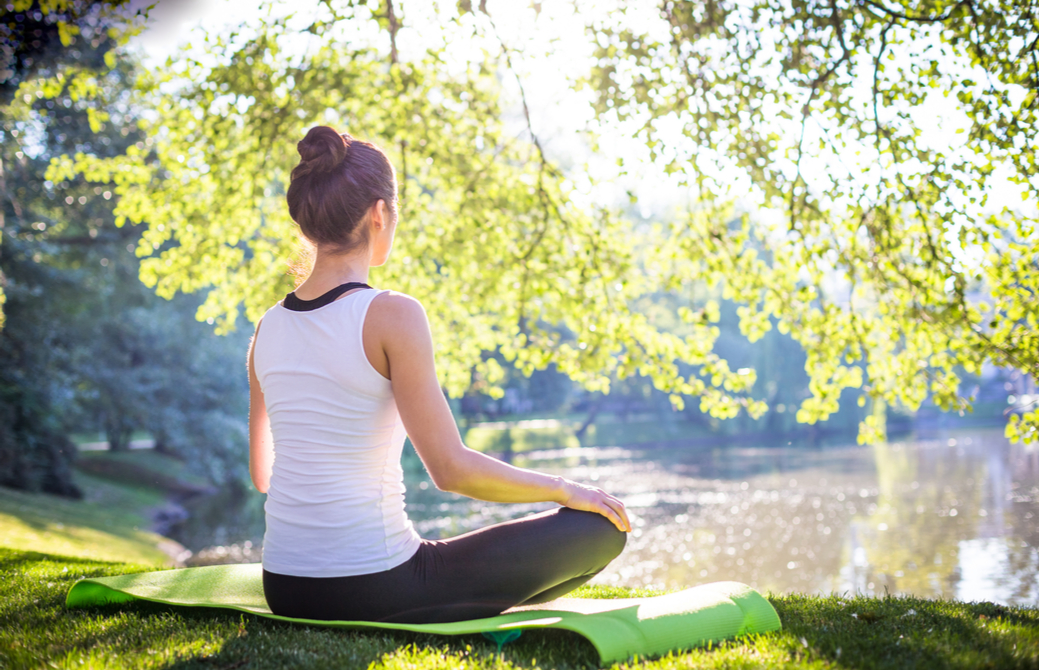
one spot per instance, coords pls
(793, 417)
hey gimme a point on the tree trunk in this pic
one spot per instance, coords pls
(118, 435)
(590, 418)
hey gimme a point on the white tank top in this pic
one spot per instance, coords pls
(335, 503)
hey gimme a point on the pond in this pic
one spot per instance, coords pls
(953, 515)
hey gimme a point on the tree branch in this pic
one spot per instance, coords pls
(874, 97)
(519, 82)
(806, 109)
(392, 19)
(916, 19)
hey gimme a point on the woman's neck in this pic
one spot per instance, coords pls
(331, 270)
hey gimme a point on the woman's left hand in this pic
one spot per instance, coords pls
(593, 499)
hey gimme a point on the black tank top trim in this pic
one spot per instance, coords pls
(295, 304)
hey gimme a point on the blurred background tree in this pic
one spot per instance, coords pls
(57, 47)
(85, 346)
(900, 148)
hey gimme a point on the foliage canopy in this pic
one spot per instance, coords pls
(892, 266)
(85, 345)
(51, 54)
(491, 242)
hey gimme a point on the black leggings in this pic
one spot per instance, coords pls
(530, 560)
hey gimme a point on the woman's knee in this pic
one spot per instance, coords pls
(614, 540)
(598, 532)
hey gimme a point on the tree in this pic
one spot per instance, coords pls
(898, 265)
(490, 241)
(50, 48)
(50, 55)
(506, 262)
(85, 344)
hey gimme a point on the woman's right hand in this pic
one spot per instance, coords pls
(591, 499)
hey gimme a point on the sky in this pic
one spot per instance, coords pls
(171, 22)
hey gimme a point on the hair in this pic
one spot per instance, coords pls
(336, 183)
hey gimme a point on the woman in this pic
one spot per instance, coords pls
(339, 373)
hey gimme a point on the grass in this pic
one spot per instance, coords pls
(92, 436)
(111, 522)
(107, 525)
(819, 632)
(640, 431)
(101, 536)
(141, 468)
(491, 437)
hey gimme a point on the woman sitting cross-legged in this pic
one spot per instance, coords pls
(339, 373)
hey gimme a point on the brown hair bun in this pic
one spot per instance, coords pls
(322, 150)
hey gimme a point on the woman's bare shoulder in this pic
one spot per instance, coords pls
(394, 310)
(395, 303)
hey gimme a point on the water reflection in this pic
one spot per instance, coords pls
(951, 517)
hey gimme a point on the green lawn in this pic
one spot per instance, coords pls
(102, 535)
(493, 437)
(142, 468)
(37, 631)
(111, 522)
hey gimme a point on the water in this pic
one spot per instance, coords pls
(955, 516)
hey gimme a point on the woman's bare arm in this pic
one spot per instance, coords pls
(261, 443)
(399, 345)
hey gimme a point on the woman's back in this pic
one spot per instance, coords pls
(335, 505)
(326, 429)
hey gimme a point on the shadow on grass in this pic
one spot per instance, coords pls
(35, 625)
(13, 560)
(853, 633)
(290, 646)
(905, 632)
(247, 640)
(43, 509)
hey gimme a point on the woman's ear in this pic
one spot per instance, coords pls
(379, 214)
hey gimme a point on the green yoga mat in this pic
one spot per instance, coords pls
(618, 628)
